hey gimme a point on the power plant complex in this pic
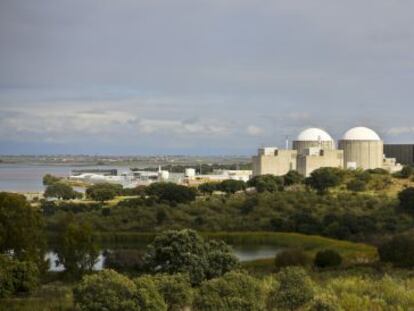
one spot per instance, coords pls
(359, 147)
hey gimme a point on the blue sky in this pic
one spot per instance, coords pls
(200, 77)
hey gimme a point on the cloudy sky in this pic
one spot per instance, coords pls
(200, 76)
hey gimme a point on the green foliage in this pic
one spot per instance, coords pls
(231, 186)
(231, 292)
(171, 192)
(175, 289)
(103, 191)
(399, 251)
(406, 172)
(295, 289)
(17, 276)
(208, 187)
(324, 302)
(356, 185)
(186, 251)
(268, 183)
(148, 296)
(292, 257)
(49, 179)
(60, 190)
(21, 229)
(106, 290)
(292, 178)
(327, 258)
(406, 198)
(324, 178)
(76, 248)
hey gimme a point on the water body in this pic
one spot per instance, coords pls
(243, 252)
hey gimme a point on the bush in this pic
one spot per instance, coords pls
(327, 258)
(268, 183)
(406, 172)
(293, 178)
(399, 251)
(175, 289)
(356, 185)
(233, 291)
(208, 187)
(148, 296)
(231, 186)
(292, 257)
(17, 276)
(106, 290)
(406, 198)
(186, 252)
(103, 192)
(324, 178)
(171, 192)
(295, 289)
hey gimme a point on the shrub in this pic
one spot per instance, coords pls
(171, 192)
(406, 172)
(399, 251)
(406, 198)
(327, 258)
(356, 185)
(292, 257)
(233, 291)
(324, 178)
(231, 186)
(208, 187)
(295, 289)
(106, 290)
(148, 296)
(268, 183)
(17, 276)
(175, 289)
(186, 251)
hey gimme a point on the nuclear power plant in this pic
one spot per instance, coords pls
(359, 147)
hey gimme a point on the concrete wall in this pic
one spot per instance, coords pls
(307, 163)
(365, 154)
(278, 164)
(403, 153)
(301, 146)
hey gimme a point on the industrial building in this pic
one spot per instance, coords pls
(314, 148)
(403, 153)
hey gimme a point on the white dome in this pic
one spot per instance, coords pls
(361, 133)
(314, 134)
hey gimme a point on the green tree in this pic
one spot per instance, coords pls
(327, 258)
(324, 178)
(292, 257)
(61, 191)
(148, 296)
(175, 289)
(208, 187)
(399, 251)
(77, 249)
(17, 276)
(231, 186)
(268, 183)
(233, 291)
(186, 252)
(406, 198)
(103, 191)
(106, 290)
(406, 172)
(293, 178)
(295, 289)
(171, 192)
(21, 229)
(49, 179)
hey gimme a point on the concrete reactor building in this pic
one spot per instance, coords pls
(314, 148)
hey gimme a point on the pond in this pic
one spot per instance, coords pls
(243, 252)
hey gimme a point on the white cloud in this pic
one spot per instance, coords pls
(254, 130)
(400, 130)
